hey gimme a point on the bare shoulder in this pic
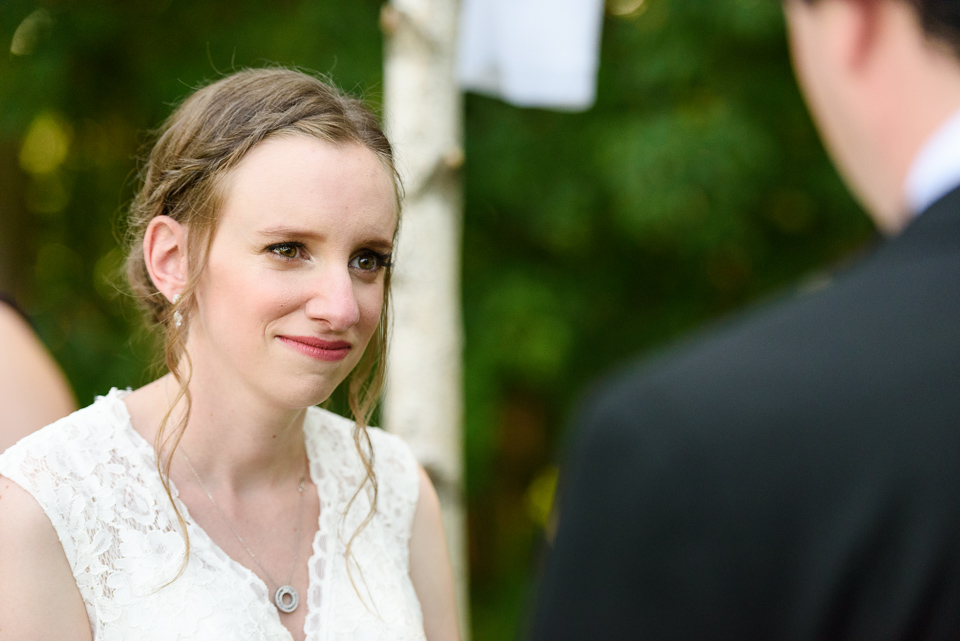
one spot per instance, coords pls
(430, 569)
(36, 577)
(34, 393)
(428, 503)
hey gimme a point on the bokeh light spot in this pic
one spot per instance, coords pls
(540, 495)
(46, 144)
(28, 34)
(626, 8)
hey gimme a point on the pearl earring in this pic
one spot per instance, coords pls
(177, 316)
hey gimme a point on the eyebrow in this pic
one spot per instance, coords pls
(289, 231)
(297, 232)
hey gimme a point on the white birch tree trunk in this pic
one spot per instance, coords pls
(424, 391)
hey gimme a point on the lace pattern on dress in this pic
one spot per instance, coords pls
(95, 478)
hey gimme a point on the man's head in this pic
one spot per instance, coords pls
(879, 76)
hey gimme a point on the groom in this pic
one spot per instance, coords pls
(796, 475)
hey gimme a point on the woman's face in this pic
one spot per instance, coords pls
(294, 283)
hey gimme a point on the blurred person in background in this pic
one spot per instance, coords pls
(33, 390)
(795, 474)
(217, 502)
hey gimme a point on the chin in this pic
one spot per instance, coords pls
(303, 393)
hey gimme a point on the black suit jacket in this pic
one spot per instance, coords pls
(795, 475)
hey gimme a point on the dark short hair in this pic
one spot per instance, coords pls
(940, 20)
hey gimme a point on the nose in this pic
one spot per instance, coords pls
(332, 300)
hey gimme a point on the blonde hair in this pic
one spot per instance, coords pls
(182, 177)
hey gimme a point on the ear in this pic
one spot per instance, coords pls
(864, 25)
(840, 34)
(165, 253)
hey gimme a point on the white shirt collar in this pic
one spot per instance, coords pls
(936, 169)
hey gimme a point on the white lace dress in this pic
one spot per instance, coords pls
(96, 480)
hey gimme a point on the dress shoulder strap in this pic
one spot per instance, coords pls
(330, 440)
(92, 476)
(62, 466)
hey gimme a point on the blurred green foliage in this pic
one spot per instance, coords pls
(696, 184)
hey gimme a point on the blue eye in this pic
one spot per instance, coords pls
(370, 261)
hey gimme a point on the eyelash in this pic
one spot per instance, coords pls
(384, 261)
(275, 250)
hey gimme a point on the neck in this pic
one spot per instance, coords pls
(896, 207)
(234, 441)
(913, 91)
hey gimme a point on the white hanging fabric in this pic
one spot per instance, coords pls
(531, 53)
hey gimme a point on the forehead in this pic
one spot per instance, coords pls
(301, 181)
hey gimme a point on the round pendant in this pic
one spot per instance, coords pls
(286, 598)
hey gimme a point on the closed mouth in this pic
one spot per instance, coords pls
(318, 348)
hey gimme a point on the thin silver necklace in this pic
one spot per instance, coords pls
(286, 597)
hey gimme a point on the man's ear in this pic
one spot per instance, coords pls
(861, 24)
(165, 254)
(847, 31)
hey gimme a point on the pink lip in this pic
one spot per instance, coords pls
(318, 348)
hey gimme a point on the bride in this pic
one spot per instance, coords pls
(217, 502)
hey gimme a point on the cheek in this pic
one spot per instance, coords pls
(802, 58)
(370, 301)
(233, 296)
